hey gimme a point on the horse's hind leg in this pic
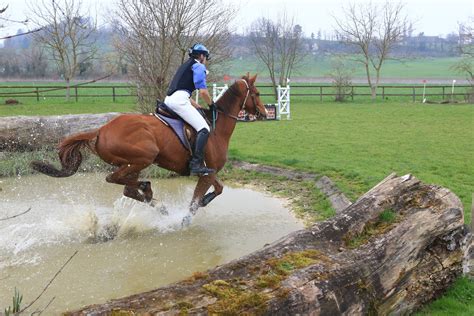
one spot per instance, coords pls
(128, 175)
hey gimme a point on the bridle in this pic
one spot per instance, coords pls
(242, 107)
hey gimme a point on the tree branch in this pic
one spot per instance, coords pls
(14, 216)
(49, 283)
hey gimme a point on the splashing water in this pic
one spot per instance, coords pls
(74, 211)
(124, 246)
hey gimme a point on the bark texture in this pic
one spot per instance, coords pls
(20, 133)
(397, 247)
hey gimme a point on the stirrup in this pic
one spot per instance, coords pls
(202, 170)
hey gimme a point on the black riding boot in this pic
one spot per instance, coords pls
(196, 166)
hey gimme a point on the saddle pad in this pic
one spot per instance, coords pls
(178, 128)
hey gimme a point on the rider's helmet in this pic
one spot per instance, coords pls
(198, 49)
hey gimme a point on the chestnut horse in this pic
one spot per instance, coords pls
(133, 142)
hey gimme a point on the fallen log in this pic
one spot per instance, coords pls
(20, 133)
(394, 249)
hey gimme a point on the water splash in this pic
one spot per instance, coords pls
(131, 218)
(66, 224)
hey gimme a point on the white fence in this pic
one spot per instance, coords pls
(283, 102)
(282, 105)
(217, 92)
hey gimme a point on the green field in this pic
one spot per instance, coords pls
(320, 66)
(357, 144)
(89, 98)
(60, 107)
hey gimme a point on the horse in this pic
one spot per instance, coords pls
(132, 142)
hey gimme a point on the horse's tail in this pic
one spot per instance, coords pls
(69, 155)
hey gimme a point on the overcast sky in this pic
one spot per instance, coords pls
(433, 17)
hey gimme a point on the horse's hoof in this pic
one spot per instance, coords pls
(186, 221)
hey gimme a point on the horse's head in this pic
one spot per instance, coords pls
(252, 103)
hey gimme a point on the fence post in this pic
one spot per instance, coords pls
(278, 102)
(413, 94)
(352, 93)
(113, 94)
(383, 93)
(75, 89)
(321, 93)
(37, 94)
(443, 93)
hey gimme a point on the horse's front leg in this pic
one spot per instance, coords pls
(218, 187)
(200, 198)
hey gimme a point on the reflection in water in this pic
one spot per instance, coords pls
(124, 246)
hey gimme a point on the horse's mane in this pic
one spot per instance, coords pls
(224, 100)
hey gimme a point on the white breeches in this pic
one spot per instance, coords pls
(180, 103)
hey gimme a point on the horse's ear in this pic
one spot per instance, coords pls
(248, 75)
(252, 80)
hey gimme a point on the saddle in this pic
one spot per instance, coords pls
(186, 134)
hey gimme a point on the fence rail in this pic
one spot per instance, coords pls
(115, 92)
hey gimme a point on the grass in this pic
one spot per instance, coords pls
(320, 66)
(63, 108)
(380, 226)
(356, 144)
(458, 300)
(54, 102)
(16, 307)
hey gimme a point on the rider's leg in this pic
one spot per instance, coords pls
(179, 102)
(196, 166)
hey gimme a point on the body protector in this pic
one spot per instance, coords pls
(184, 78)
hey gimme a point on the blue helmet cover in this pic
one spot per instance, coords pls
(199, 48)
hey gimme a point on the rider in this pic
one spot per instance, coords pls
(191, 76)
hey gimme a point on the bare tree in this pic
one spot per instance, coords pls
(68, 34)
(278, 44)
(465, 66)
(341, 75)
(155, 36)
(35, 61)
(374, 30)
(5, 19)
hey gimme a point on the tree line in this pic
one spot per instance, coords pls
(146, 41)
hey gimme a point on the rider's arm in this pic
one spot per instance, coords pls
(199, 77)
(204, 93)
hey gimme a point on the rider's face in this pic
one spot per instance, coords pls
(202, 59)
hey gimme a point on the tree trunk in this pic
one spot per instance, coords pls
(393, 250)
(373, 92)
(34, 132)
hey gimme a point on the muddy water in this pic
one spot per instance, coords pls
(124, 246)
